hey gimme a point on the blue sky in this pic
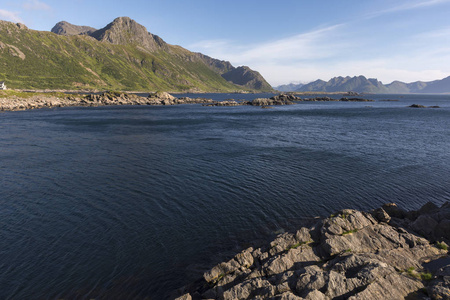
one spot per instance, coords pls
(285, 40)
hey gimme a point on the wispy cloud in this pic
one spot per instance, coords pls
(286, 59)
(419, 4)
(35, 5)
(331, 51)
(10, 16)
(434, 34)
(407, 6)
(305, 46)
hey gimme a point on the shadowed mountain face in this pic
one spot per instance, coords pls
(121, 56)
(246, 77)
(361, 84)
(437, 86)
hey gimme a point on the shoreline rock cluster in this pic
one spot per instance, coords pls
(422, 106)
(103, 99)
(282, 99)
(15, 103)
(386, 253)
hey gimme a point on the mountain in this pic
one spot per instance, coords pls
(289, 87)
(437, 86)
(125, 31)
(65, 28)
(398, 87)
(361, 84)
(121, 56)
(358, 84)
(244, 76)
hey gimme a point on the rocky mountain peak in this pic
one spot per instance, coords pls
(65, 28)
(124, 30)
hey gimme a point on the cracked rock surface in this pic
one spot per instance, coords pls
(352, 254)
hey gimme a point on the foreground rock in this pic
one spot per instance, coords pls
(106, 98)
(349, 255)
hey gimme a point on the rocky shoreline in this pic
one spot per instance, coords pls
(386, 253)
(14, 103)
(102, 99)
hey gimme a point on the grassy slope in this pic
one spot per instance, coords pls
(81, 62)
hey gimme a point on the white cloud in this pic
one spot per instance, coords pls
(419, 4)
(336, 51)
(302, 59)
(10, 16)
(211, 44)
(408, 6)
(35, 5)
(344, 49)
(442, 34)
(306, 46)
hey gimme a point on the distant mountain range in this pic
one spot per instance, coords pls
(361, 84)
(121, 56)
(289, 87)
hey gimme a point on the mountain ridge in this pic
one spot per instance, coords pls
(361, 84)
(123, 55)
(65, 28)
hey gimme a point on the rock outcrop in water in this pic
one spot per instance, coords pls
(159, 98)
(282, 99)
(382, 254)
(422, 106)
(107, 98)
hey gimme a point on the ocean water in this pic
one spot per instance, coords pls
(132, 202)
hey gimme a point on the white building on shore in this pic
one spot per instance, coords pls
(2, 85)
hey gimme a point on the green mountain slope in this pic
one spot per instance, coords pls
(121, 56)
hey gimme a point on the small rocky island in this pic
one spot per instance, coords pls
(282, 99)
(386, 253)
(422, 106)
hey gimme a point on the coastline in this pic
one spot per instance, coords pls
(36, 100)
(387, 253)
(15, 103)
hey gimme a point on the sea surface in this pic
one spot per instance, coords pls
(132, 202)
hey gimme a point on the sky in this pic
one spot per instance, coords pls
(287, 41)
